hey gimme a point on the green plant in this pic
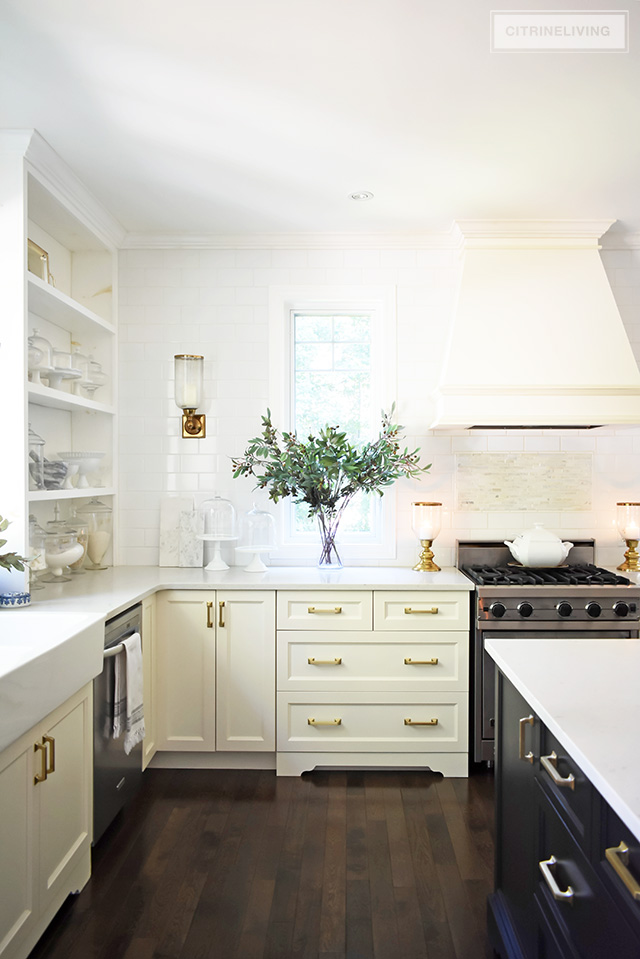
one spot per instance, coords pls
(9, 560)
(326, 471)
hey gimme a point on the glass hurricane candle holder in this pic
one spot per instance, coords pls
(426, 522)
(628, 521)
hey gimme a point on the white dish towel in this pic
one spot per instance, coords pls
(128, 709)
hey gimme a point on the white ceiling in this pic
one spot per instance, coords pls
(245, 116)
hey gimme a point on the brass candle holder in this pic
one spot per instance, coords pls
(628, 521)
(425, 563)
(631, 557)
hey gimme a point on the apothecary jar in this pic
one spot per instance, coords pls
(98, 518)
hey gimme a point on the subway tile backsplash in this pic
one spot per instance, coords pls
(215, 302)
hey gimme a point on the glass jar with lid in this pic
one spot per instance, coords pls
(60, 550)
(98, 518)
(36, 460)
(36, 562)
(39, 356)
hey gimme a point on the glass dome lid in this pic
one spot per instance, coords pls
(217, 519)
(258, 531)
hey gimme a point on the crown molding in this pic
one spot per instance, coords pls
(531, 234)
(291, 241)
(621, 241)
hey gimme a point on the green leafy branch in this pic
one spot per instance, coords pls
(9, 560)
(326, 471)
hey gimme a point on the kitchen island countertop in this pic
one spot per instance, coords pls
(587, 692)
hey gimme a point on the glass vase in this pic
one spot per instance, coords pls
(328, 528)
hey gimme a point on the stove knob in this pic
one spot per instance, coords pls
(621, 609)
(593, 610)
(498, 610)
(564, 609)
(525, 609)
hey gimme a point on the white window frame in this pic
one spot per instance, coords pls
(284, 301)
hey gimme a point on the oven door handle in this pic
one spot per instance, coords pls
(113, 651)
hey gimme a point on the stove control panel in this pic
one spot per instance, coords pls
(549, 609)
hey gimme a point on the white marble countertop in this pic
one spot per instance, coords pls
(587, 692)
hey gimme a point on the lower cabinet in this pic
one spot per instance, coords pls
(216, 670)
(567, 870)
(45, 826)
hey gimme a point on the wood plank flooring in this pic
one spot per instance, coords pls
(209, 864)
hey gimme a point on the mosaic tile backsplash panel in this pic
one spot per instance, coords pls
(523, 481)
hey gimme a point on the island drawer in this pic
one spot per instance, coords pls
(421, 610)
(367, 660)
(324, 610)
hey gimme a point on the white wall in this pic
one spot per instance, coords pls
(215, 302)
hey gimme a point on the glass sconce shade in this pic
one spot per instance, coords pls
(426, 521)
(628, 521)
(189, 374)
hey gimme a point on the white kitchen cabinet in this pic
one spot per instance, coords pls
(149, 745)
(45, 827)
(186, 670)
(216, 670)
(246, 662)
(387, 685)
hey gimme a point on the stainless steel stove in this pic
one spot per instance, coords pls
(521, 603)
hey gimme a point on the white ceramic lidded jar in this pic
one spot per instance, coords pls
(538, 547)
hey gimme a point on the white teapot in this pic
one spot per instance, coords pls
(538, 547)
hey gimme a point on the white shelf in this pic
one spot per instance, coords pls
(50, 304)
(47, 495)
(55, 399)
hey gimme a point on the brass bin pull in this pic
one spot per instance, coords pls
(331, 612)
(221, 613)
(409, 610)
(324, 722)
(50, 741)
(562, 895)
(420, 662)
(549, 764)
(618, 858)
(525, 721)
(325, 662)
(426, 722)
(42, 775)
(209, 622)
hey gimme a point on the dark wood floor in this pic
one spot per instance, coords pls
(238, 864)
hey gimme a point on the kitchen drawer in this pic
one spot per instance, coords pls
(421, 610)
(324, 610)
(589, 919)
(363, 661)
(623, 883)
(568, 787)
(356, 722)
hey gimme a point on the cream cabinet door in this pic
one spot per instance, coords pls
(16, 843)
(149, 745)
(65, 797)
(186, 670)
(246, 655)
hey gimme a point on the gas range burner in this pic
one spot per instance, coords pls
(579, 575)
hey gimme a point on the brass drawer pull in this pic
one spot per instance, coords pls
(618, 857)
(331, 612)
(420, 662)
(525, 721)
(409, 611)
(42, 775)
(50, 741)
(221, 613)
(562, 895)
(426, 722)
(549, 764)
(324, 722)
(325, 662)
(209, 623)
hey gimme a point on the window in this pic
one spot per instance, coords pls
(333, 362)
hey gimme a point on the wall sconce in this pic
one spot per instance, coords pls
(426, 522)
(628, 520)
(189, 371)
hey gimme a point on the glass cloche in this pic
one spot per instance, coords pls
(217, 525)
(257, 535)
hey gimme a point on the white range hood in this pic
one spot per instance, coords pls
(536, 339)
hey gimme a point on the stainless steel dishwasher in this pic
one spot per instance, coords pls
(116, 776)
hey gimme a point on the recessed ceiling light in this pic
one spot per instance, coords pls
(361, 195)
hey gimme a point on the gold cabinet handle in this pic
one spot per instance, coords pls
(410, 611)
(221, 613)
(420, 662)
(209, 622)
(332, 612)
(42, 775)
(618, 857)
(562, 895)
(525, 721)
(550, 765)
(50, 741)
(324, 662)
(426, 722)
(324, 722)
